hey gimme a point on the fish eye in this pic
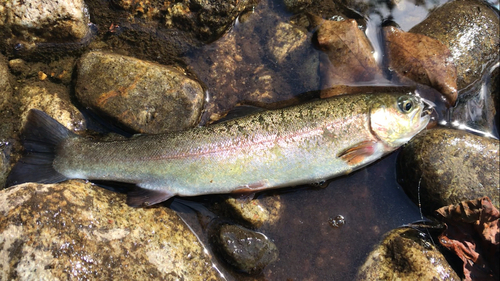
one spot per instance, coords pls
(405, 104)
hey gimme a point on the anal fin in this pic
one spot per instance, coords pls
(357, 153)
(143, 197)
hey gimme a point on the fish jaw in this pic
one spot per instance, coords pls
(394, 126)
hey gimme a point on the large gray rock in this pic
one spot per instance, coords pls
(79, 231)
(470, 29)
(143, 96)
(405, 255)
(442, 167)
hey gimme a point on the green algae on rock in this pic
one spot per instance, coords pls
(77, 230)
(444, 167)
(405, 255)
(143, 96)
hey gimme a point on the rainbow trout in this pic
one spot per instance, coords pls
(307, 143)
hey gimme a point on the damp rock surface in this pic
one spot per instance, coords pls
(449, 166)
(469, 28)
(404, 254)
(248, 251)
(142, 96)
(79, 231)
(257, 212)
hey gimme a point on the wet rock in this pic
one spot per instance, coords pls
(445, 166)
(470, 29)
(246, 250)
(241, 67)
(59, 71)
(296, 6)
(79, 230)
(143, 96)
(404, 254)
(42, 22)
(5, 88)
(258, 211)
(54, 100)
(208, 20)
(6, 127)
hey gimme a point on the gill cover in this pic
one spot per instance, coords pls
(396, 119)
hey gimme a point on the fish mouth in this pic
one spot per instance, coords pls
(428, 108)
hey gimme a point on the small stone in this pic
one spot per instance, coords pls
(42, 76)
(442, 167)
(54, 100)
(50, 232)
(246, 250)
(404, 254)
(19, 67)
(296, 6)
(258, 211)
(144, 96)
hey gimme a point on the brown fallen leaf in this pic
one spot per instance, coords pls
(473, 234)
(349, 52)
(422, 59)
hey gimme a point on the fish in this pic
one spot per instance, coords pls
(302, 144)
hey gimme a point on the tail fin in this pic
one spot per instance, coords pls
(40, 137)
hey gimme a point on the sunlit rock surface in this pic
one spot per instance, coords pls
(470, 29)
(79, 231)
(53, 99)
(266, 210)
(404, 254)
(150, 98)
(445, 166)
(23, 25)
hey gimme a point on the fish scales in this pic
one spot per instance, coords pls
(307, 143)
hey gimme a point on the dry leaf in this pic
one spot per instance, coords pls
(422, 59)
(349, 52)
(473, 234)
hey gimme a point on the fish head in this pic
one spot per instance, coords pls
(396, 118)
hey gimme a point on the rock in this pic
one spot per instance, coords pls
(6, 127)
(246, 250)
(5, 88)
(258, 211)
(143, 96)
(208, 20)
(54, 100)
(470, 29)
(448, 166)
(286, 41)
(241, 68)
(296, 6)
(405, 255)
(42, 21)
(80, 231)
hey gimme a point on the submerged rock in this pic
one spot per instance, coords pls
(80, 231)
(258, 211)
(445, 166)
(5, 88)
(404, 254)
(248, 251)
(143, 96)
(470, 29)
(6, 127)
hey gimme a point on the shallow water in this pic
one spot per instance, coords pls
(370, 200)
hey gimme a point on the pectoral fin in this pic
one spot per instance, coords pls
(357, 153)
(142, 197)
